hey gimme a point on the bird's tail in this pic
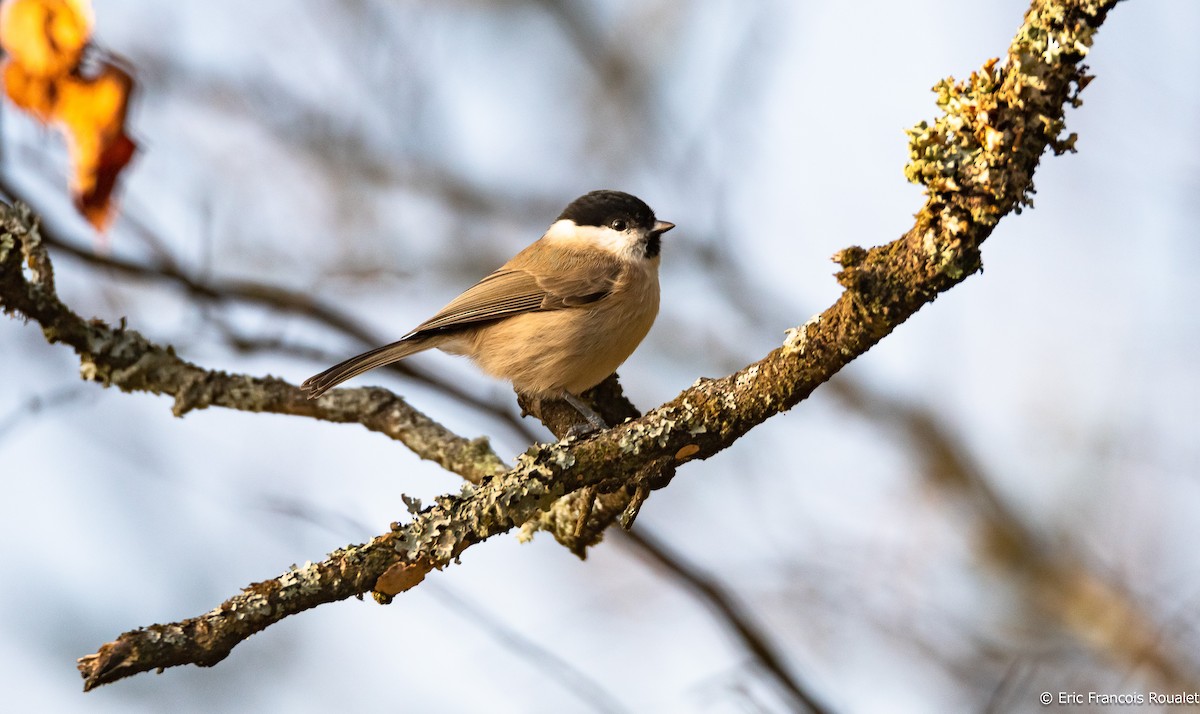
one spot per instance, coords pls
(317, 385)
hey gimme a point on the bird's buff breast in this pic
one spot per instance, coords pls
(574, 349)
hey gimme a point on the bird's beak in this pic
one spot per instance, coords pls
(661, 227)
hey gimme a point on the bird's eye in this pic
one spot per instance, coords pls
(619, 224)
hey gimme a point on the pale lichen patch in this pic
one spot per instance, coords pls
(796, 340)
(746, 378)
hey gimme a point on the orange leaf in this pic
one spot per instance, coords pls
(46, 37)
(45, 40)
(93, 113)
(32, 93)
(400, 577)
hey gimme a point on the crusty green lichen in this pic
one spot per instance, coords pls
(977, 159)
(441, 531)
(123, 358)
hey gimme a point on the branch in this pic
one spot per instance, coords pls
(1100, 613)
(272, 297)
(977, 162)
(731, 612)
(125, 359)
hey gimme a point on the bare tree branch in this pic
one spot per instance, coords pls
(748, 633)
(977, 162)
(1098, 611)
(272, 297)
(589, 692)
(39, 404)
(125, 359)
(562, 521)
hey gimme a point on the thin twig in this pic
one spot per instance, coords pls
(751, 636)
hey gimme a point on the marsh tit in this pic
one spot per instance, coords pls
(557, 318)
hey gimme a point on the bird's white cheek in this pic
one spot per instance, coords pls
(618, 243)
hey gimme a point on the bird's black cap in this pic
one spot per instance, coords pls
(600, 208)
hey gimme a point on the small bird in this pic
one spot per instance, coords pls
(557, 318)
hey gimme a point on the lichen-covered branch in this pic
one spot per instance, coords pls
(389, 564)
(578, 520)
(271, 297)
(976, 161)
(120, 357)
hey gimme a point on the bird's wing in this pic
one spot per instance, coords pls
(573, 279)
